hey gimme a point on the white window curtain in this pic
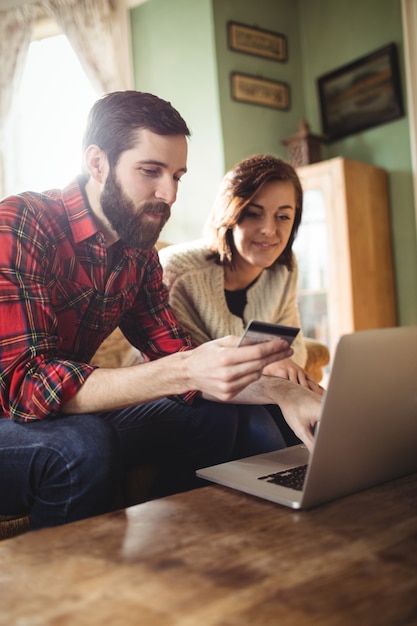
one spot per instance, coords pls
(15, 37)
(99, 32)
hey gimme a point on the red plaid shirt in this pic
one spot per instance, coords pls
(58, 302)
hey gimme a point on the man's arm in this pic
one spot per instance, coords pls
(218, 369)
(300, 407)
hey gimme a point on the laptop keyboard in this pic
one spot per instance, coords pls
(292, 478)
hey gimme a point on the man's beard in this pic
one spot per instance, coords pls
(129, 222)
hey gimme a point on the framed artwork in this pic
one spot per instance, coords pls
(261, 91)
(361, 94)
(256, 41)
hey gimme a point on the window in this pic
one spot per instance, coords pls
(46, 127)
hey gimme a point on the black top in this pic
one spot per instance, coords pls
(236, 301)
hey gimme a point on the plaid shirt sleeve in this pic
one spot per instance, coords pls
(33, 380)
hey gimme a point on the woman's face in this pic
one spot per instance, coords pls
(265, 226)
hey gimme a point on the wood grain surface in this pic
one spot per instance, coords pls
(217, 557)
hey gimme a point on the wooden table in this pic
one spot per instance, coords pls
(217, 557)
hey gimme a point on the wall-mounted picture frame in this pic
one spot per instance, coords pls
(257, 41)
(361, 94)
(260, 91)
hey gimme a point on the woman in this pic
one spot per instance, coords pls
(245, 268)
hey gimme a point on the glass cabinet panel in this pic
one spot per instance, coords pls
(311, 249)
(343, 248)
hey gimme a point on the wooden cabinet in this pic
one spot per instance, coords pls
(344, 253)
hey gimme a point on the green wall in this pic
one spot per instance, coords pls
(250, 129)
(174, 57)
(367, 26)
(181, 53)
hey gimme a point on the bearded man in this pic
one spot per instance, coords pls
(75, 264)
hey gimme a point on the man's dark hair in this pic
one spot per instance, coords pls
(115, 118)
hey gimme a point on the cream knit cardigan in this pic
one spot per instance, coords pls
(196, 293)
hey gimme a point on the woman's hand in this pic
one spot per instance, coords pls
(291, 371)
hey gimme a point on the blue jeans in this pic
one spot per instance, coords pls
(60, 470)
(180, 438)
(69, 468)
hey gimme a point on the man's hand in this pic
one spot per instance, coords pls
(222, 370)
(300, 407)
(291, 371)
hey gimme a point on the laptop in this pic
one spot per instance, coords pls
(367, 432)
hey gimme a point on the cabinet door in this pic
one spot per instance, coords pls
(343, 250)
